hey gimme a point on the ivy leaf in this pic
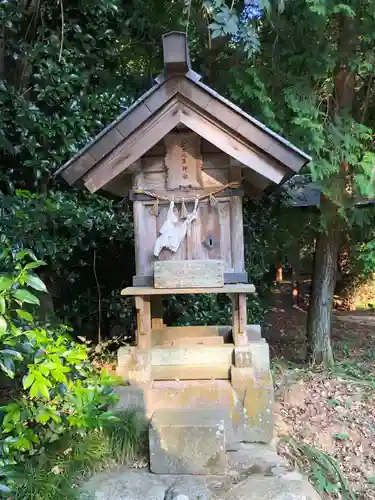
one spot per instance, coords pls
(28, 381)
(39, 389)
(4, 489)
(24, 315)
(3, 325)
(2, 305)
(43, 416)
(7, 365)
(344, 9)
(36, 283)
(25, 296)
(5, 283)
(12, 353)
(34, 265)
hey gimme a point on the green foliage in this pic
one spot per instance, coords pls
(127, 437)
(324, 470)
(55, 474)
(57, 390)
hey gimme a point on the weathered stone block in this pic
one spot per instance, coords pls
(193, 355)
(260, 355)
(192, 394)
(241, 379)
(194, 341)
(133, 358)
(188, 442)
(256, 394)
(242, 357)
(131, 397)
(134, 365)
(254, 333)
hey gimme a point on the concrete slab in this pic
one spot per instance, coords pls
(188, 441)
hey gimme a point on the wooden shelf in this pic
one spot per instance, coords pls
(145, 290)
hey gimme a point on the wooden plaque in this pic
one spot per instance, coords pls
(189, 274)
(183, 160)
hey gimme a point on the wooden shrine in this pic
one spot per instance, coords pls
(186, 156)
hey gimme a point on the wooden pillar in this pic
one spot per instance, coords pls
(143, 306)
(239, 318)
(157, 312)
(140, 234)
(237, 238)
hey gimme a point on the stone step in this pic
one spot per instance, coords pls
(192, 355)
(188, 442)
(182, 394)
(192, 394)
(253, 458)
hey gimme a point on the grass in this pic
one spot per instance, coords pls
(324, 471)
(55, 474)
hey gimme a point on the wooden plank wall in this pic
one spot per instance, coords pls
(212, 221)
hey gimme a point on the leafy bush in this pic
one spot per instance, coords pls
(56, 473)
(57, 390)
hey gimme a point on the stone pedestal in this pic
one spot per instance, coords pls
(188, 442)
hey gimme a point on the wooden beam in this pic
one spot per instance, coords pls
(229, 143)
(237, 237)
(235, 318)
(229, 192)
(134, 147)
(230, 278)
(241, 288)
(143, 307)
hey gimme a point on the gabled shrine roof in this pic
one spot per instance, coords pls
(178, 98)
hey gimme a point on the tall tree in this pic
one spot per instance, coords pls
(313, 81)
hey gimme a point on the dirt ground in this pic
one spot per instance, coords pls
(334, 412)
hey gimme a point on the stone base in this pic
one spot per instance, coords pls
(255, 472)
(164, 379)
(188, 442)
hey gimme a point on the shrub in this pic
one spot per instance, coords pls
(58, 472)
(57, 391)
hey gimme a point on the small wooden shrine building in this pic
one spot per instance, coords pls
(185, 156)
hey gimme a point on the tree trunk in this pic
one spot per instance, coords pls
(324, 279)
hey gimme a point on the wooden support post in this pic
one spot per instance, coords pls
(239, 319)
(242, 313)
(237, 237)
(235, 317)
(157, 312)
(143, 306)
